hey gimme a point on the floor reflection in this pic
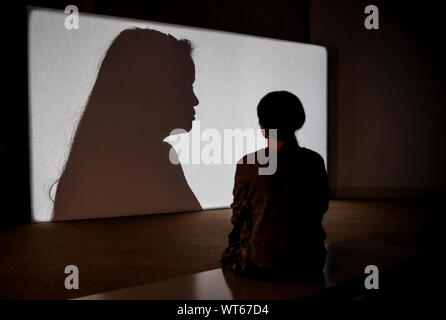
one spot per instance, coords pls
(244, 288)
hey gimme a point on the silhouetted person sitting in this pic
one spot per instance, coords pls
(277, 219)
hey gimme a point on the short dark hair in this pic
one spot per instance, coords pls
(283, 111)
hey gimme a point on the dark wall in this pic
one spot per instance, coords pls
(15, 201)
(283, 19)
(386, 98)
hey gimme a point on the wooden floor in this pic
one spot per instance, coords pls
(343, 279)
(123, 252)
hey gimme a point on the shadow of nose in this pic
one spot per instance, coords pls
(195, 101)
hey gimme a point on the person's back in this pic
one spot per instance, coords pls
(278, 218)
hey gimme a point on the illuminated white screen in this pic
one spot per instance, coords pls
(232, 73)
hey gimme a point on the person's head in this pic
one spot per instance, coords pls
(283, 111)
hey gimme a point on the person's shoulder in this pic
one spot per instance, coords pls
(311, 155)
(251, 158)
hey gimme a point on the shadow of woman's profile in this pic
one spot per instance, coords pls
(118, 163)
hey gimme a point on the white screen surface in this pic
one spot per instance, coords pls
(232, 73)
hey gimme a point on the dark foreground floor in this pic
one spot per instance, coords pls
(123, 252)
